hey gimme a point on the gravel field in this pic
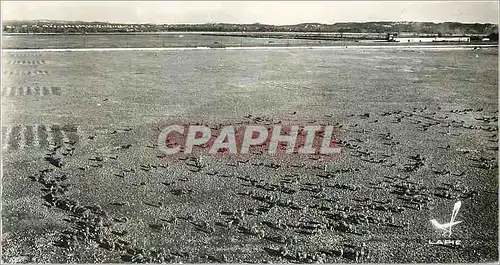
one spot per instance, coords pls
(83, 179)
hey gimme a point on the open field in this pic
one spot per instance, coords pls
(84, 182)
(188, 39)
(141, 40)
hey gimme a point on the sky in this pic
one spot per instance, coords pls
(265, 12)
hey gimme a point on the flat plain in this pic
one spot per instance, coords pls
(83, 180)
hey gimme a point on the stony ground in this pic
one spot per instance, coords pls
(83, 180)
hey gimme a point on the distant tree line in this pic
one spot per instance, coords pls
(79, 27)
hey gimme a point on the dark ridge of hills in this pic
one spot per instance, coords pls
(443, 28)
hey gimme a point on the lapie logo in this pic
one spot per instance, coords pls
(446, 227)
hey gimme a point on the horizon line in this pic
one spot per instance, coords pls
(237, 23)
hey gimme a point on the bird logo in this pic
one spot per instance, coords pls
(446, 227)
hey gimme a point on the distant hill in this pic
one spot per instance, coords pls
(445, 28)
